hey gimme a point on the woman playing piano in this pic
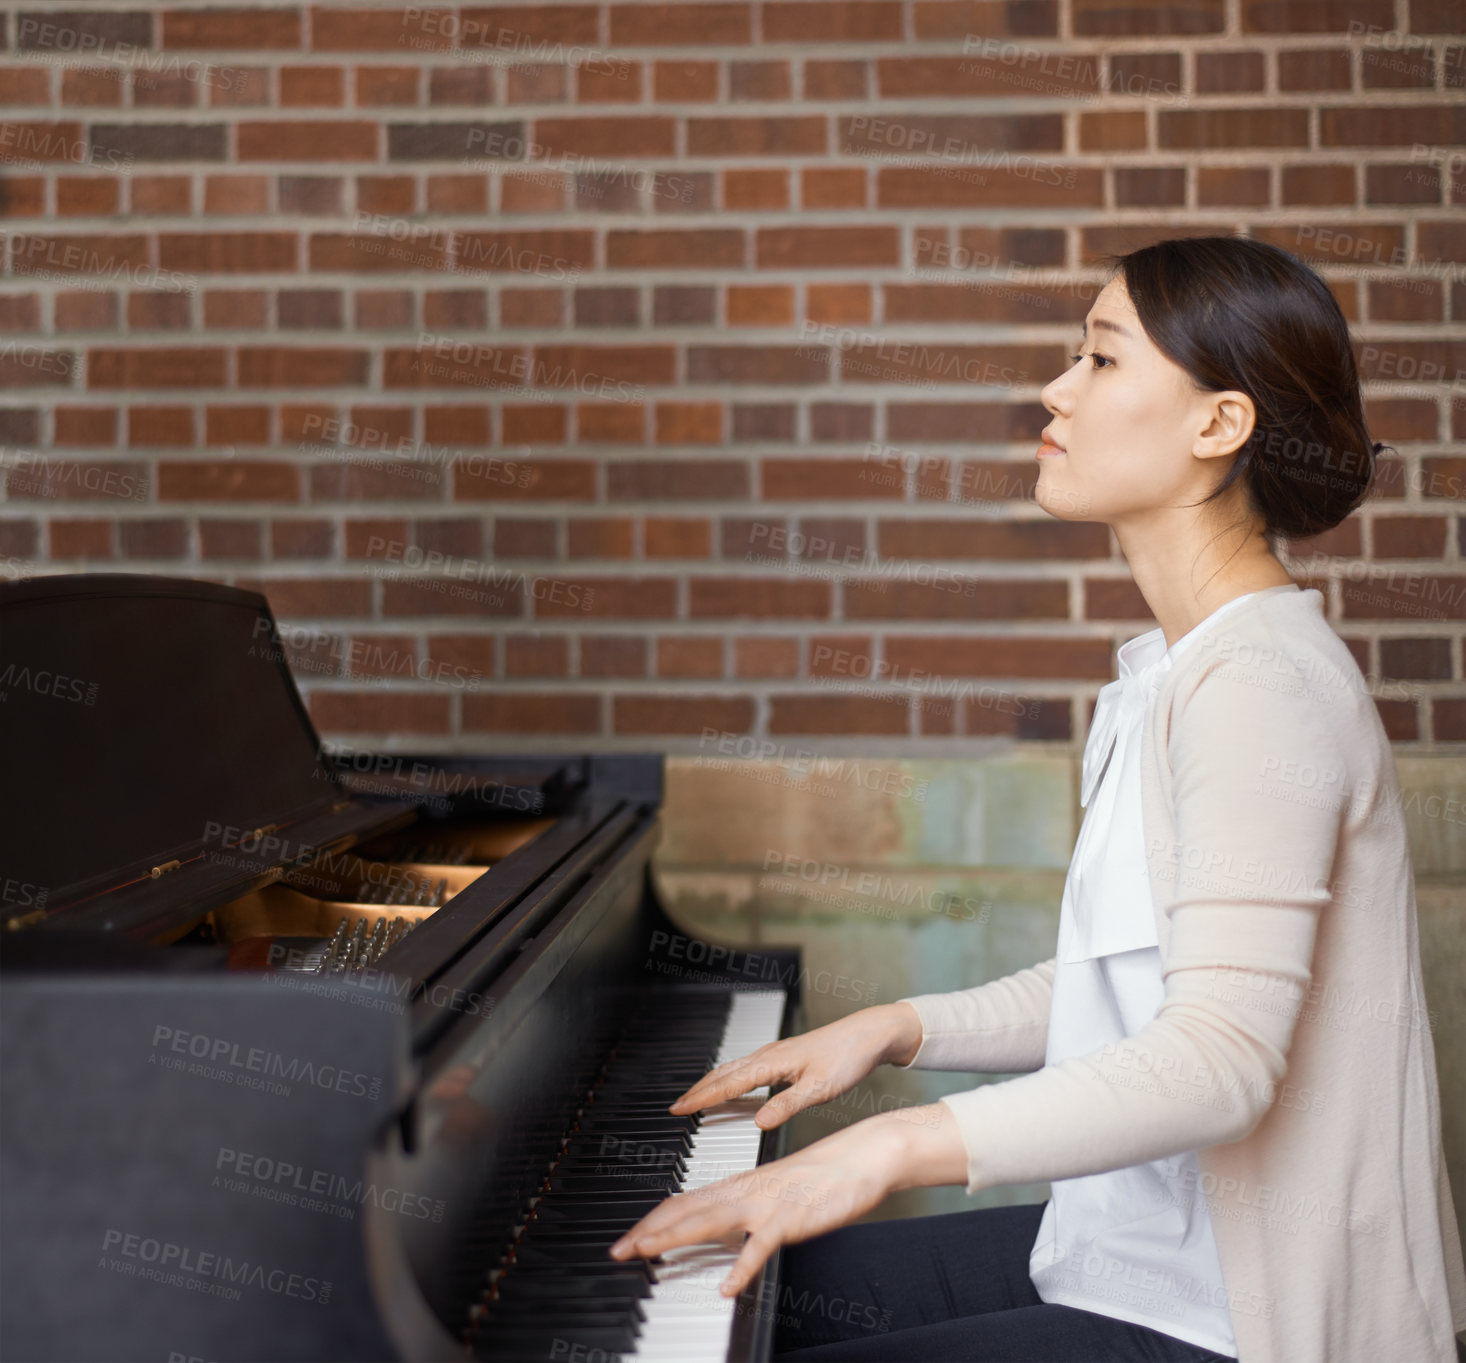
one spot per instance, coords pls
(1226, 1070)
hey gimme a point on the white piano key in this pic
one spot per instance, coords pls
(687, 1319)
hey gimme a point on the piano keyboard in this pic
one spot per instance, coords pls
(558, 1288)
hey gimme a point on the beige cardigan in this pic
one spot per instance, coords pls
(1293, 1049)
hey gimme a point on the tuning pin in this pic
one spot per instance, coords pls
(353, 947)
(331, 961)
(377, 941)
(327, 963)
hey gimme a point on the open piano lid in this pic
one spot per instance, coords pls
(161, 759)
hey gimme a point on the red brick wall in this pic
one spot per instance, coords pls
(574, 373)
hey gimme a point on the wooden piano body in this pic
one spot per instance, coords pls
(211, 1149)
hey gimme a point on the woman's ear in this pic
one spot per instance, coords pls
(1230, 422)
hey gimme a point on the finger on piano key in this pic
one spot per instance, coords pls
(625, 1154)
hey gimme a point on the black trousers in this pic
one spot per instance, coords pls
(953, 1287)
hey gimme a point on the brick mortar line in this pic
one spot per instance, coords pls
(1389, 509)
(1014, 451)
(890, 107)
(1099, 54)
(1442, 565)
(994, 573)
(814, 105)
(590, 336)
(590, 221)
(1067, 628)
(727, 688)
(1403, 216)
(1420, 272)
(613, 455)
(376, 395)
(791, 49)
(974, 106)
(500, 221)
(584, 334)
(728, 336)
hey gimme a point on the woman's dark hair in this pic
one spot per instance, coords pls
(1238, 313)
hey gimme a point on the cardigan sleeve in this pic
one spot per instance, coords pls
(1253, 872)
(1001, 1026)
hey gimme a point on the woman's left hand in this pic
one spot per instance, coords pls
(828, 1184)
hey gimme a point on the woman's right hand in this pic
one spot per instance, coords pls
(817, 1066)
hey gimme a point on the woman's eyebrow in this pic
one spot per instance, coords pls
(1108, 325)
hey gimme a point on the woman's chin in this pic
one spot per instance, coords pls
(1051, 499)
(1058, 501)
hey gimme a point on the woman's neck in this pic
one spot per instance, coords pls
(1184, 577)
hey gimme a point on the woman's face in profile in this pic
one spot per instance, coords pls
(1126, 419)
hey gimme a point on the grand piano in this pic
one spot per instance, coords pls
(318, 1055)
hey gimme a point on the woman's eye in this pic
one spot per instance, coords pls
(1094, 355)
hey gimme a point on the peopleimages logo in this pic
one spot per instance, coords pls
(294, 1185)
(204, 1270)
(43, 682)
(220, 1058)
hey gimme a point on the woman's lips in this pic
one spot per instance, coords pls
(1046, 448)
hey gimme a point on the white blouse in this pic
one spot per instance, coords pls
(1135, 1244)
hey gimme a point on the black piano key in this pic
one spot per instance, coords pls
(620, 1063)
(596, 1225)
(654, 1111)
(554, 1340)
(616, 1142)
(648, 1151)
(620, 1126)
(651, 1183)
(603, 1286)
(575, 1238)
(618, 1119)
(610, 1174)
(597, 1306)
(549, 1356)
(569, 1257)
(657, 1159)
(623, 1116)
(601, 1215)
(650, 1161)
(648, 1179)
(570, 1234)
(628, 1204)
(631, 1085)
(671, 1166)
